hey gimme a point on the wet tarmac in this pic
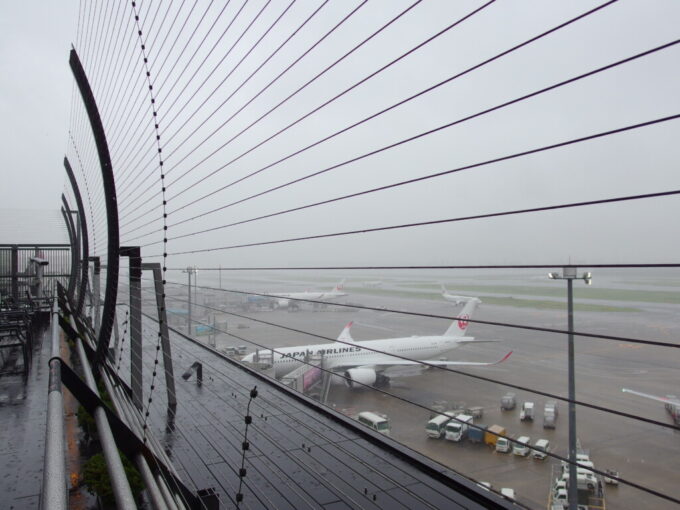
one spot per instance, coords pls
(643, 453)
(23, 411)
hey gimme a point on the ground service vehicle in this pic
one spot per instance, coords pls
(476, 433)
(375, 421)
(521, 446)
(527, 412)
(492, 434)
(503, 445)
(541, 449)
(508, 402)
(435, 427)
(550, 414)
(456, 430)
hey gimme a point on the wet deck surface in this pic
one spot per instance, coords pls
(23, 412)
(299, 458)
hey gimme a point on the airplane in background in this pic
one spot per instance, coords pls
(671, 403)
(361, 365)
(288, 299)
(453, 298)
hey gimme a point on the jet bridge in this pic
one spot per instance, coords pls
(310, 378)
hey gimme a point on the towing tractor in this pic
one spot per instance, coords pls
(457, 429)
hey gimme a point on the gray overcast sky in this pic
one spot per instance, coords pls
(36, 105)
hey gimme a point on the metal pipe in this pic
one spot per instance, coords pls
(157, 500)
(573, 481)
(55, 495)
(134, 423)
(119, 482)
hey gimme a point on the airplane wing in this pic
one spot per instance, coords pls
(381, 362)
(440, 363)
(665, 400)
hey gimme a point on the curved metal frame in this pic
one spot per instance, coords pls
(75, 246)
(111, 205)
(83, 227)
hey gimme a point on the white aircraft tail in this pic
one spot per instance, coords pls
(345, 335)
(459, 326)
(340, 286)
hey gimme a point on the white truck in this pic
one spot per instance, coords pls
(456, 430)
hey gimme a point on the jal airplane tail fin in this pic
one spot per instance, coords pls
(345, 335)
(460, 324)
(340, 286)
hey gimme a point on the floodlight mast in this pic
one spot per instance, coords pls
(569, 274)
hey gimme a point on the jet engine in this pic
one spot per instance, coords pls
(362, 376)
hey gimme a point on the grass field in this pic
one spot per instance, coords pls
(582, 292)
(500, 301)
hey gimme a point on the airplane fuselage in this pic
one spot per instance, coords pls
(338, 355)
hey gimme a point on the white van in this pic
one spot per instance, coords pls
(502, 445)
(541, 449)
(375, 421)
(457, 429)
(521, 447)
(436, 426)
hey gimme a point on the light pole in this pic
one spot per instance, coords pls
(189, 271)
(569, 274)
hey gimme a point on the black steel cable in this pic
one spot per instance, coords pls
(179, 33)
(448, 220)
(408, 99)
(445, 126)
(466, 167)
(102, 44)
(384, 392)
(325, 2)
(114, 54)
(200, 66)
(110, 95)
(432, 365)
(218, 451)
(273, 404)
(227, 53)
(305, 53)
(583, 334)
(302, 423)
(242, 83)
(425, 91)
(301, 88)
(176, 59)
(87, 190)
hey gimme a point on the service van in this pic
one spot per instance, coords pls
(375, 421)
(435, 428)
(541, 449)
(521, 446)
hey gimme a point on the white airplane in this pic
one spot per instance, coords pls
(288, 299)
(671, 403)
(453, 298)
(361, 365)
